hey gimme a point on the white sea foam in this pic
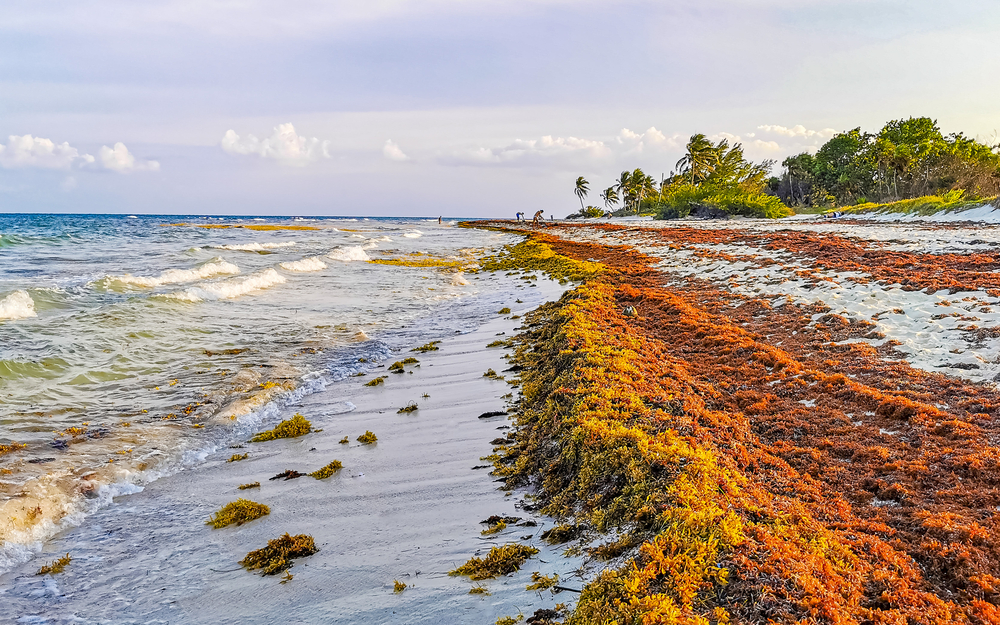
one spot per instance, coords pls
(312, 263)
(231, 288)
(17, 305)
(215, 267)
(413, 234)
(348, 254)
(254, 247)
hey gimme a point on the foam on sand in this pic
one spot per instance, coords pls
(215, 267)
(17, 305)
(231, 288)
(312, 263)
(254, 247)
(349, 254)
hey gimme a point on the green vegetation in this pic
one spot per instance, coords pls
(289, 428)
(581, 190)
(368, 438)
(532, 255)
(239, 512)
(327, 471)
(504, 311)
(925, 205)
(908, 159)
(397, 367)
(499, 561)
(376, 381)
(56, 567)
(277, 556)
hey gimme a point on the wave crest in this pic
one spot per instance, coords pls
(17, 305)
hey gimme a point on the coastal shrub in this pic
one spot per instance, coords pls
(499, 561)
(238, 512)
(327, 471)
(681, 200)
(289, 428)
(277, 556)
(368, 438)
(925, 205)
(55, 567)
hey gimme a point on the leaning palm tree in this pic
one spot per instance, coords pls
(624, 187)
(582, 189)
(610, 197)
(700, 158)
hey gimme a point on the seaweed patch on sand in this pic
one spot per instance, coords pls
(734, 467)
(277, 556)
(289, 428)
(499, 561)
(237, 513)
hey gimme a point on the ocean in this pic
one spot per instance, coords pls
(136, 351)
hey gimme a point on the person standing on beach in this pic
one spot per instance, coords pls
(538, 216)
(519, 215)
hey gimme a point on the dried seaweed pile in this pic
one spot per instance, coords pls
(809, 481)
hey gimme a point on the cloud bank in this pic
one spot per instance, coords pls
(284, 145)
(26, 151)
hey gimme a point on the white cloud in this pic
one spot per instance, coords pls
(393, 152)
(284, 145)
(121, 160)
(28, 151)
(652, 139)
(548, 150)
(797, 131)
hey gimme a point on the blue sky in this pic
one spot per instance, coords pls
(397, 107)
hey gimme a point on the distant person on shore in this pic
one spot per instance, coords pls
(519, 215)
(538, 216)
(439, 220)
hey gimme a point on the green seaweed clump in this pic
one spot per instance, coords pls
(56, 567)
(239, 512)
(496, 528)
(496, 343)
(493, 375)
(368, 438)
(429, 347)
(542, 582)
(410, 407)
(278, 554)
(499, 561)
(237, 457)
(398, 586)
(376, 381)
(504, 311)
(250, 485)
(327, 471)
(289, 428)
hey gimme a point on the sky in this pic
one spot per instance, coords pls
(451, 107)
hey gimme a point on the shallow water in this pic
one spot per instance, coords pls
(131, 349)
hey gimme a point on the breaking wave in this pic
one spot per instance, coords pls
(214, 267)
(17, 305)
(348, 254)
(313, 263)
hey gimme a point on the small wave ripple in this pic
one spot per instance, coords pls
(312, 263)
(349, 254)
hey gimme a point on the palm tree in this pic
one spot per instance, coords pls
(699, 159)
(624, 187)
(582, 189)
(610, 197)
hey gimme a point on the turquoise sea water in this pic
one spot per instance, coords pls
(131, 348)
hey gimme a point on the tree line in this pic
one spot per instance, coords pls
(906, 159)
